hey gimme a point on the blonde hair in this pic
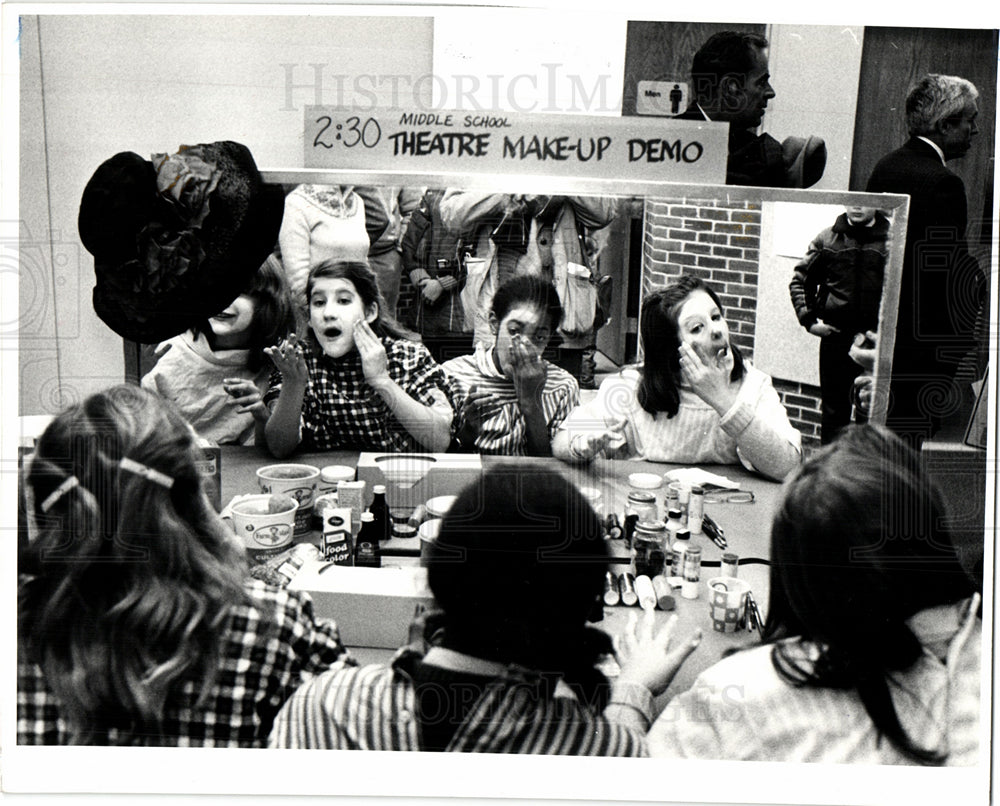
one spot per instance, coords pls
(130, 581)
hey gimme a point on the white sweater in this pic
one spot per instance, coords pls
(755, 431)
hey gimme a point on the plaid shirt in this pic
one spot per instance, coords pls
(506, 432)
(270, 647)
(375, 708)
(341, 410)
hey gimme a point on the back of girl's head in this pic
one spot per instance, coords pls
(132, 571)
(518, 566)
(365, 283)
(527, 289)
(859, 544)
(659, 331)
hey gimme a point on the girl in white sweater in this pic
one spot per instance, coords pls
(695, 399)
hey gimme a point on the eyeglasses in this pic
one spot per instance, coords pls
(729, 497)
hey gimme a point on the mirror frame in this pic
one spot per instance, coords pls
(647, 189)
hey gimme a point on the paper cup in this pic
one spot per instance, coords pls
(727, 602)
(428, 533)
(298, 482)
(264, 523)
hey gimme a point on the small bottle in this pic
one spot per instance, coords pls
(367, 552)
(380, 509)
(613, 526)
(641, 506)
(683, 499)
(644, 590)
(730, 564)
(664, 593)
(674, 524)
(648, 541)
(692, 572)
(681, 544)
(611, 594)
(288, 569)
(696, 509)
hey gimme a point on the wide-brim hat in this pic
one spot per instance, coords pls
(176, 238)
(804, 159)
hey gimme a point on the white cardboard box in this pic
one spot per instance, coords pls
(373, 607)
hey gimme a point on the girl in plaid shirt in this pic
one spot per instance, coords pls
(137, 624)
(354, 383)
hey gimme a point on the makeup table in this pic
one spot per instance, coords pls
(746, 527)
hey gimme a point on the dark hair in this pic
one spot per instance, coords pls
(859, 544)
(129, 584)
(518, 566)
(531, 290)
(659, 385)
(365, 283)
(272, 317)
(723, 54)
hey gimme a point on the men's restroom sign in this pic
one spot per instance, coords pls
(664, 98)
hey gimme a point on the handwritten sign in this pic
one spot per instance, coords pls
(512, 143)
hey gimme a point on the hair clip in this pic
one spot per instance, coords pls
(67, 485)
(140, 469)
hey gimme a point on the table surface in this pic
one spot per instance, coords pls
(746, 527)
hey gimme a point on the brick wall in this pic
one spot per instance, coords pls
(719, 241)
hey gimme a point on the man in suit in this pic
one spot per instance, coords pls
(731, 82)
(942, 286)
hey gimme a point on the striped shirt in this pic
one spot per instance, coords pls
(375, 708)
(342, 411)
(271, 645)
(741, 709)
(506, 432)
(755, 431)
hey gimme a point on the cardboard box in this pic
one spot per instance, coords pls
(412, 479)
(210, 467)
(373, 607)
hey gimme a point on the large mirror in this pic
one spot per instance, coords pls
(747, 243)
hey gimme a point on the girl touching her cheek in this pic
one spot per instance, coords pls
(354, 382)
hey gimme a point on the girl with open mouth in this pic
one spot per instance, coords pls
(355, 382)
(694, 399)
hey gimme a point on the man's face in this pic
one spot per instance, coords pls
(957, 132)
(744, 98)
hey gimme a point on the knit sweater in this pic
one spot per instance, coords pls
(755, 431)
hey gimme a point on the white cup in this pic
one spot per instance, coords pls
(264, 523)
(298, 482)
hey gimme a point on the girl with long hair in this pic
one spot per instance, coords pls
(136, 622)
(355, 381)
(695, 399)
(872, 644)
(517, 568)
(216, 373)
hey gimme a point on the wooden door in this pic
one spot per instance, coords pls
(891, 60)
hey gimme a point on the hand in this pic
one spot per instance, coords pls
(864, 388)
(862, 350)
(431, 289)
(820, 328)
(289, 358)
(528, 371)
(479, 407)
(710, 382)
(586, 446)
(247, 396)
(374, 361)
(646, 658)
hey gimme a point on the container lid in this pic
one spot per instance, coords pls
(367, 517)
(332, 473)
(378, 489)
(438, 507)
(674, 513)
(645, 481)
(694, 551)
(642, 498)
(650, 526)
(403, 529)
